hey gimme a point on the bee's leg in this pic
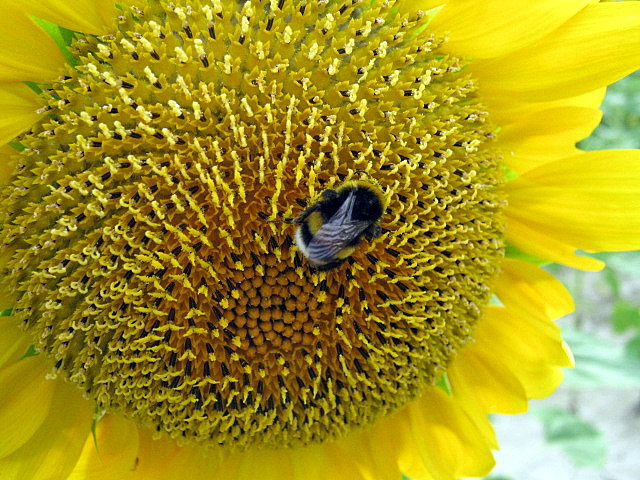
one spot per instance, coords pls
(372, 231)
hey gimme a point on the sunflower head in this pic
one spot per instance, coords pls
(144, 257)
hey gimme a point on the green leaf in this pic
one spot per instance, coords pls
(443, 384)
(611, 279)
(599, 363)
(625, 316)
(583, 444)
(632, 349)
(31, 352)
(34, 86)
(17, 146)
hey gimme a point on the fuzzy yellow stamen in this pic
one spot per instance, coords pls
(145, 257)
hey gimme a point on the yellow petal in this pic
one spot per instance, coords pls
(546, 135)
(401, 444)
(350, 458)
(481, 420)
(536, 339)
(536, 241)
(163, 459)
(155, 458)
(25, 398)
(54, 448)
(527, 288)
(13, 341)
(447, 440)
(320, 462)
(87, 16)
(26, 51)
(373, 453)
(490, 28)
(506, 110)
(479, 377)
(590, 202)
(378, 465)
(531, 348)
(411, 460)
(267, 464)
(18, 110)
(593, 49)
(111, 454)
(7, 163)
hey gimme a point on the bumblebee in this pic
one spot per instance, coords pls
(331, 229)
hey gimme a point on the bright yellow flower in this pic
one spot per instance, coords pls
(164, 323)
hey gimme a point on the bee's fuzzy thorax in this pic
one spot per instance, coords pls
(365, 184)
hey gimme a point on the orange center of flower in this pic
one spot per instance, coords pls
(149, 261)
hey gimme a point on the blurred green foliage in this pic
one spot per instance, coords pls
(600, 363)
(579, 440)
(620, 125)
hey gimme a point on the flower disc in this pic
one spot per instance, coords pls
(149, 259)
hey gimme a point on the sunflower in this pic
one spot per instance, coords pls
(161, 318)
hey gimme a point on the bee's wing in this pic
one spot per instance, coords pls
(331, 238)
(336, 233)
